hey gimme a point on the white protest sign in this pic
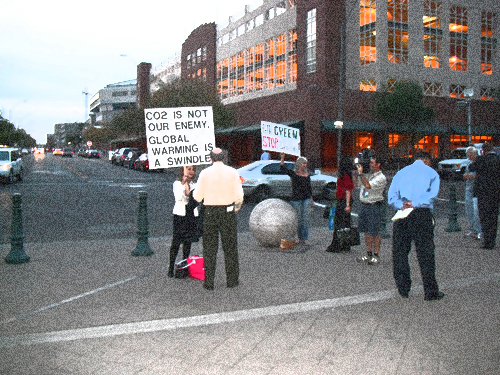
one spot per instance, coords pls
(280, 138)
(179, 136)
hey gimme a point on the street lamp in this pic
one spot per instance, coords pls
(338, 125)
(468, 93)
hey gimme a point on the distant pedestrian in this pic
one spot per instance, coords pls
(302, 199)
(220, 188)
(371, 196)
(415, 187)
(471, 208)
(265, 156)
(185, 215)
(487, 191)
(343, 195)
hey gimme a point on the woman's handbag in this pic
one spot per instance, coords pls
(349, 236)
(355, 239)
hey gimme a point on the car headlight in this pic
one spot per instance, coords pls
(5, 166)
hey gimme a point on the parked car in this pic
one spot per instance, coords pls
(58, 151)
(95, 154)
(11, 164)
(142, 163)
(130, 158)
(264, 179)
(67, 152)
(454, 167)
(111, 154)
(81, 153)
(119, 156)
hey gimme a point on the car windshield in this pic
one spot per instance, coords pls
(4, 155)
(458, 154)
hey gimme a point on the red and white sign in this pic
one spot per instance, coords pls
(280, 138)
(89, 143)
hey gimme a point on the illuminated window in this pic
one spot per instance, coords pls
(393, 140)
(280, 60)
(241, 73)
(458, 38)
(259, 70)
(433, 89)
(429, 143)
(249, 69)
(368, 85)
(269, 64)
(362, 141)
(232, 76)
(457, 140)
(397, 31)
(204, 75)
(457, 91)
(488, 42)
(292, 56)
(367, 29)
(487, 93)
(391, 83)
(225, 79)
(433, 34)
(311, 41)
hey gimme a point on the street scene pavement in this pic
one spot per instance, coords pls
(90, 307)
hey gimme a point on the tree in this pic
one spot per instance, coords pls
(403, 106)
(11, 136)
(193, 93)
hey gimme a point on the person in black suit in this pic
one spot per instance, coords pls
(487, 191)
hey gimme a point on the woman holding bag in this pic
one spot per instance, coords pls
(185, 216)
(343, 211)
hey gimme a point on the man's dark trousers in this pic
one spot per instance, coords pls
(417, 227)
(218, 220)
(488, 215)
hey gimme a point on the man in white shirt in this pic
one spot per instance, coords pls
(220, 188)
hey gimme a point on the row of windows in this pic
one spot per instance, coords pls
(257, 21)
(432, 89)
(264, 66)
(397, 39)
(200, 73)
(196, 57)
(122, 93)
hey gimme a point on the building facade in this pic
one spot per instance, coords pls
(112, 99)
(310, 63)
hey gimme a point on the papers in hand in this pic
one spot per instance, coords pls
(402, 214)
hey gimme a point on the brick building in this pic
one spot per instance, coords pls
(310, 63)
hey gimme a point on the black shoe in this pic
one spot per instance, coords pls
(208, 287)
(403, 294)
(234, 285)
(434, 297)
(170, 273)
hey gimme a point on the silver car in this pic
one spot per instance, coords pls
(264, 179)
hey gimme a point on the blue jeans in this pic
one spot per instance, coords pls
(303, 209)
(471, 212)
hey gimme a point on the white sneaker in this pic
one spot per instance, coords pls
(363, 259)
(479, 236)
(374, 260)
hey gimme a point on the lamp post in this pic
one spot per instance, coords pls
(338, 125)
(468, 93)
(86, 104)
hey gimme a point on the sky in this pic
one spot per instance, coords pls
(52, 51)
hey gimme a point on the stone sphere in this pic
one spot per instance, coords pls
(272, 220)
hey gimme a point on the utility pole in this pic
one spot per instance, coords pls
(86, 105)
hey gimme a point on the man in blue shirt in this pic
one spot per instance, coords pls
(415, 187)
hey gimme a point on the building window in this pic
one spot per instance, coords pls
(367, 32)
(241, 73)
(397, 31)
(433, 89)
(225, 79)
(368, 85)
(393, 141)
(433, 34)
(487, 93)
(250, 25)
(249, 69)
(259, 69)
(269, 15)
(119, 93)
(198, 55)
(259, 20)
(232, 76)
(391, 83)
(291, 3)
(311, 41)
(292, 56)
(188, 61)
(280, 8)
(458, 38)
(280, 60)
(269, 63)
(457, 91)
(488, 41)
(457, 140)
(204, 53)
(361, 141)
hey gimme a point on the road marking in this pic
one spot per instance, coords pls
(30, 313)
(220, 318)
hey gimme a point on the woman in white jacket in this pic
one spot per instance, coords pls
(185, 216)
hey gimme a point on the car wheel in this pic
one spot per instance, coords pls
(262, 193)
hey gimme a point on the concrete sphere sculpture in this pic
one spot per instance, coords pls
(272, 220)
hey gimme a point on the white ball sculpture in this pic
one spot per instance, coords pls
(273, 220)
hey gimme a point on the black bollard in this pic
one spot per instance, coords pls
(142, 248)
(453, 225)
(17, 254)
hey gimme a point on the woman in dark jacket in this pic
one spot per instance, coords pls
(301, 194)
(345, 186)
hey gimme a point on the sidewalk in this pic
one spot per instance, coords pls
(92, 308)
